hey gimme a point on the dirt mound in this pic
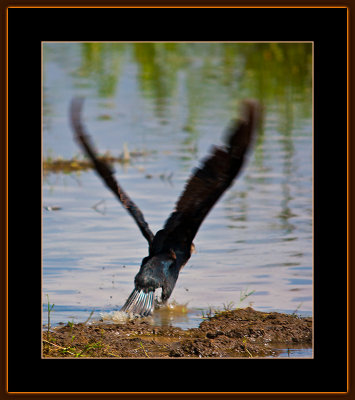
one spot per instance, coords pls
(235, 333)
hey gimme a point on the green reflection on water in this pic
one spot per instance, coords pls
(191, 78)
(198, 73)
(260, 70)
(101, 62)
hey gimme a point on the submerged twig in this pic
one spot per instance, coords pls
(92, 312)
(95, 207)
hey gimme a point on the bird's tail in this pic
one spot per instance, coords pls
(139, 303)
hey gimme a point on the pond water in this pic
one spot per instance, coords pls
(173, 101)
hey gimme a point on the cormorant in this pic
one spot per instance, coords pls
(170, 248)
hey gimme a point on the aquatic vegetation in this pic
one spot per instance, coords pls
(49, 309)
(227, 307)
(76, 164)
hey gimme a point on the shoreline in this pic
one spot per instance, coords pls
(238, 333)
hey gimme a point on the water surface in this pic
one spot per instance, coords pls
(174, 101)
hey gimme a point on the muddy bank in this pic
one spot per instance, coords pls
(235, 333)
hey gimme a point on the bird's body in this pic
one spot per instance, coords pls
(170, 248)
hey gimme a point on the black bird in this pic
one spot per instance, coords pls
(171, 247)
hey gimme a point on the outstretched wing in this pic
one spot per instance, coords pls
(104, 170)
(209, 182)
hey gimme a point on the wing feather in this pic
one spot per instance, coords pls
(209, 182)
(104, 170)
